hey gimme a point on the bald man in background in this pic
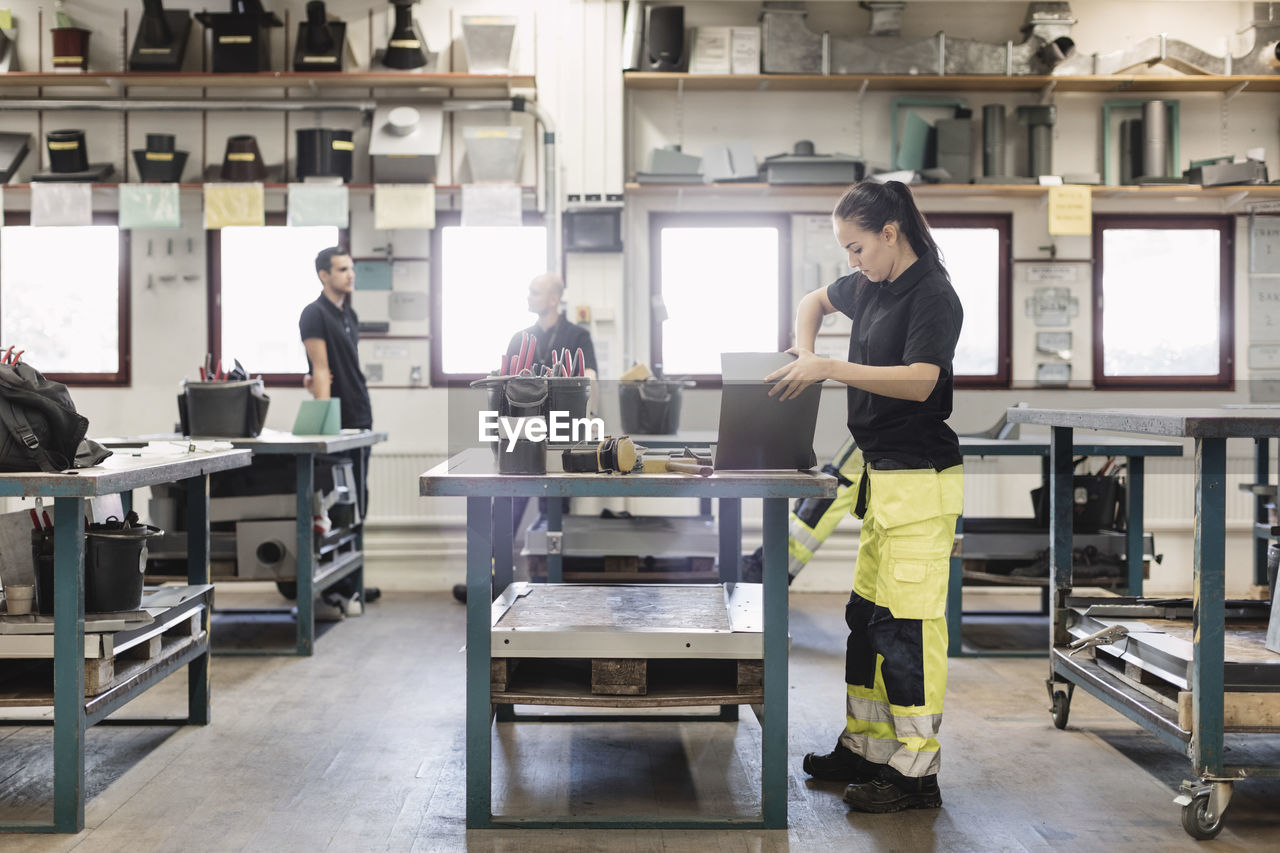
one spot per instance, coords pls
(551, 333)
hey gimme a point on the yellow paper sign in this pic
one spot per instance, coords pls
(404, 206)
(1070, 210)
(226, 205)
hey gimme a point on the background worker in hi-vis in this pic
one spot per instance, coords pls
(909, 491)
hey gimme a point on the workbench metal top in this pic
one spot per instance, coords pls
(121, 472)
(1182, 423)
(271, 441)
(1091, 445)
(472, 473)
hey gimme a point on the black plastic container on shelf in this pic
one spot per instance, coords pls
(324, 152)
(242, 160)
(320, 42)
(223, 409)
(651, 407)
(159, 161)
(161, 42)
(67, 151)
(241, 37)
(115, 560)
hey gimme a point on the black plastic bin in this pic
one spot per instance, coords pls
(115, 560)
(223, 409)
(651, 407)
(569, 394)
(1097, 503)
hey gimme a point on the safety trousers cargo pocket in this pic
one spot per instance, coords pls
(914, 583)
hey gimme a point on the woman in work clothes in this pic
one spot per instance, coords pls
(910, 489)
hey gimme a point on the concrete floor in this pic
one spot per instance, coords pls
(360, 748)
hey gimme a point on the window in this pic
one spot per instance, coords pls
(1159, 284)
(716, 287)
(262, 278)
(976, 252)
(69, 310)
(483, 294)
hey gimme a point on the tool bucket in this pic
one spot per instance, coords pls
(115, 560)
(569, 394)
(651, 407)
(223, 409)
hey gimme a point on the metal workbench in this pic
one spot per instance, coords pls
(1134, 451)
(1205, 801)
(119, 473)
(470, 474)
(304, 448)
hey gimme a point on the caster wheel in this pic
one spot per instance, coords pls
(1061, 709)
(1195, 819)
(289, 589)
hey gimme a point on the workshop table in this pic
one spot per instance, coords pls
(304, 448)
(1204, 804)
(1134, 451)
(73, 714)
(471, 474)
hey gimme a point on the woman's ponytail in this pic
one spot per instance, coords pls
(873, 205)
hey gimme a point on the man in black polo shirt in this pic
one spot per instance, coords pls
(330, 333)
(552, 333)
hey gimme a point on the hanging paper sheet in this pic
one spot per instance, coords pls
(61, 204)
(493, 205)
(1070, 210)
(319, 204)
(404, 206)
(149, 206)
(226, 205)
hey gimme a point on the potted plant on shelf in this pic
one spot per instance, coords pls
(70, 43)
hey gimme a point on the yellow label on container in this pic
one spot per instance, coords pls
(496, 133)
(482, 21)
(319, 59)
(163, 156)
(155, 50)
(411, 44)
(68, 60)
(235, 39)
(343, 145)
(63, 146)
(241, 156)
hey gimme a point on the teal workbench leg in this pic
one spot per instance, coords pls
(773, 770)
(479, 598)
(361, 473)
(1207, 615)
(1134, 522)
(555, 524)
(68, 665)
(955, 597)
(198, 706)
(304, 487)
(1061, 519)
(731, 539)
(503, 572)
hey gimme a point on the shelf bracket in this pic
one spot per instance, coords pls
(1235, 198)
(116, 85)
(1047, 90)
(1235, 90)
(862, 88)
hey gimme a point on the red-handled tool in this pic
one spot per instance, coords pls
(579, 360)
(35, 520)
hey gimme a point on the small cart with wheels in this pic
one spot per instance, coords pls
(1193, 672)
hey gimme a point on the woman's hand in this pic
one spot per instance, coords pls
(801, 373)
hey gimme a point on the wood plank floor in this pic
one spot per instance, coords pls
(360, 748)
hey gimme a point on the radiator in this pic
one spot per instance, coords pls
(393, 490)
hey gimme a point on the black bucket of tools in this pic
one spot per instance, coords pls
(517, 400)
(223, 409)
(115, 560)
(651, 407)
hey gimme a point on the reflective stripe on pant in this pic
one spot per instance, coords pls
(896, 661)
(804, 539)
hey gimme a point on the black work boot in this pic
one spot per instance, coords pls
(893, 792)
(840, 765)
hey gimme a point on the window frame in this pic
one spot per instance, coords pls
(1224, 380)
(716, 219)
(1002, 223)
(123, 377)
(213, 244)
(447, 219)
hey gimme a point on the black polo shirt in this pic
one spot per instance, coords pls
(915, 318)
(339, 328)
(563, 335)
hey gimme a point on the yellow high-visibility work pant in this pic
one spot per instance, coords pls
(896, 661)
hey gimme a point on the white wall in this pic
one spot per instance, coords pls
(603, 135)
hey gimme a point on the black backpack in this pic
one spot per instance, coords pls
(41, 429)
